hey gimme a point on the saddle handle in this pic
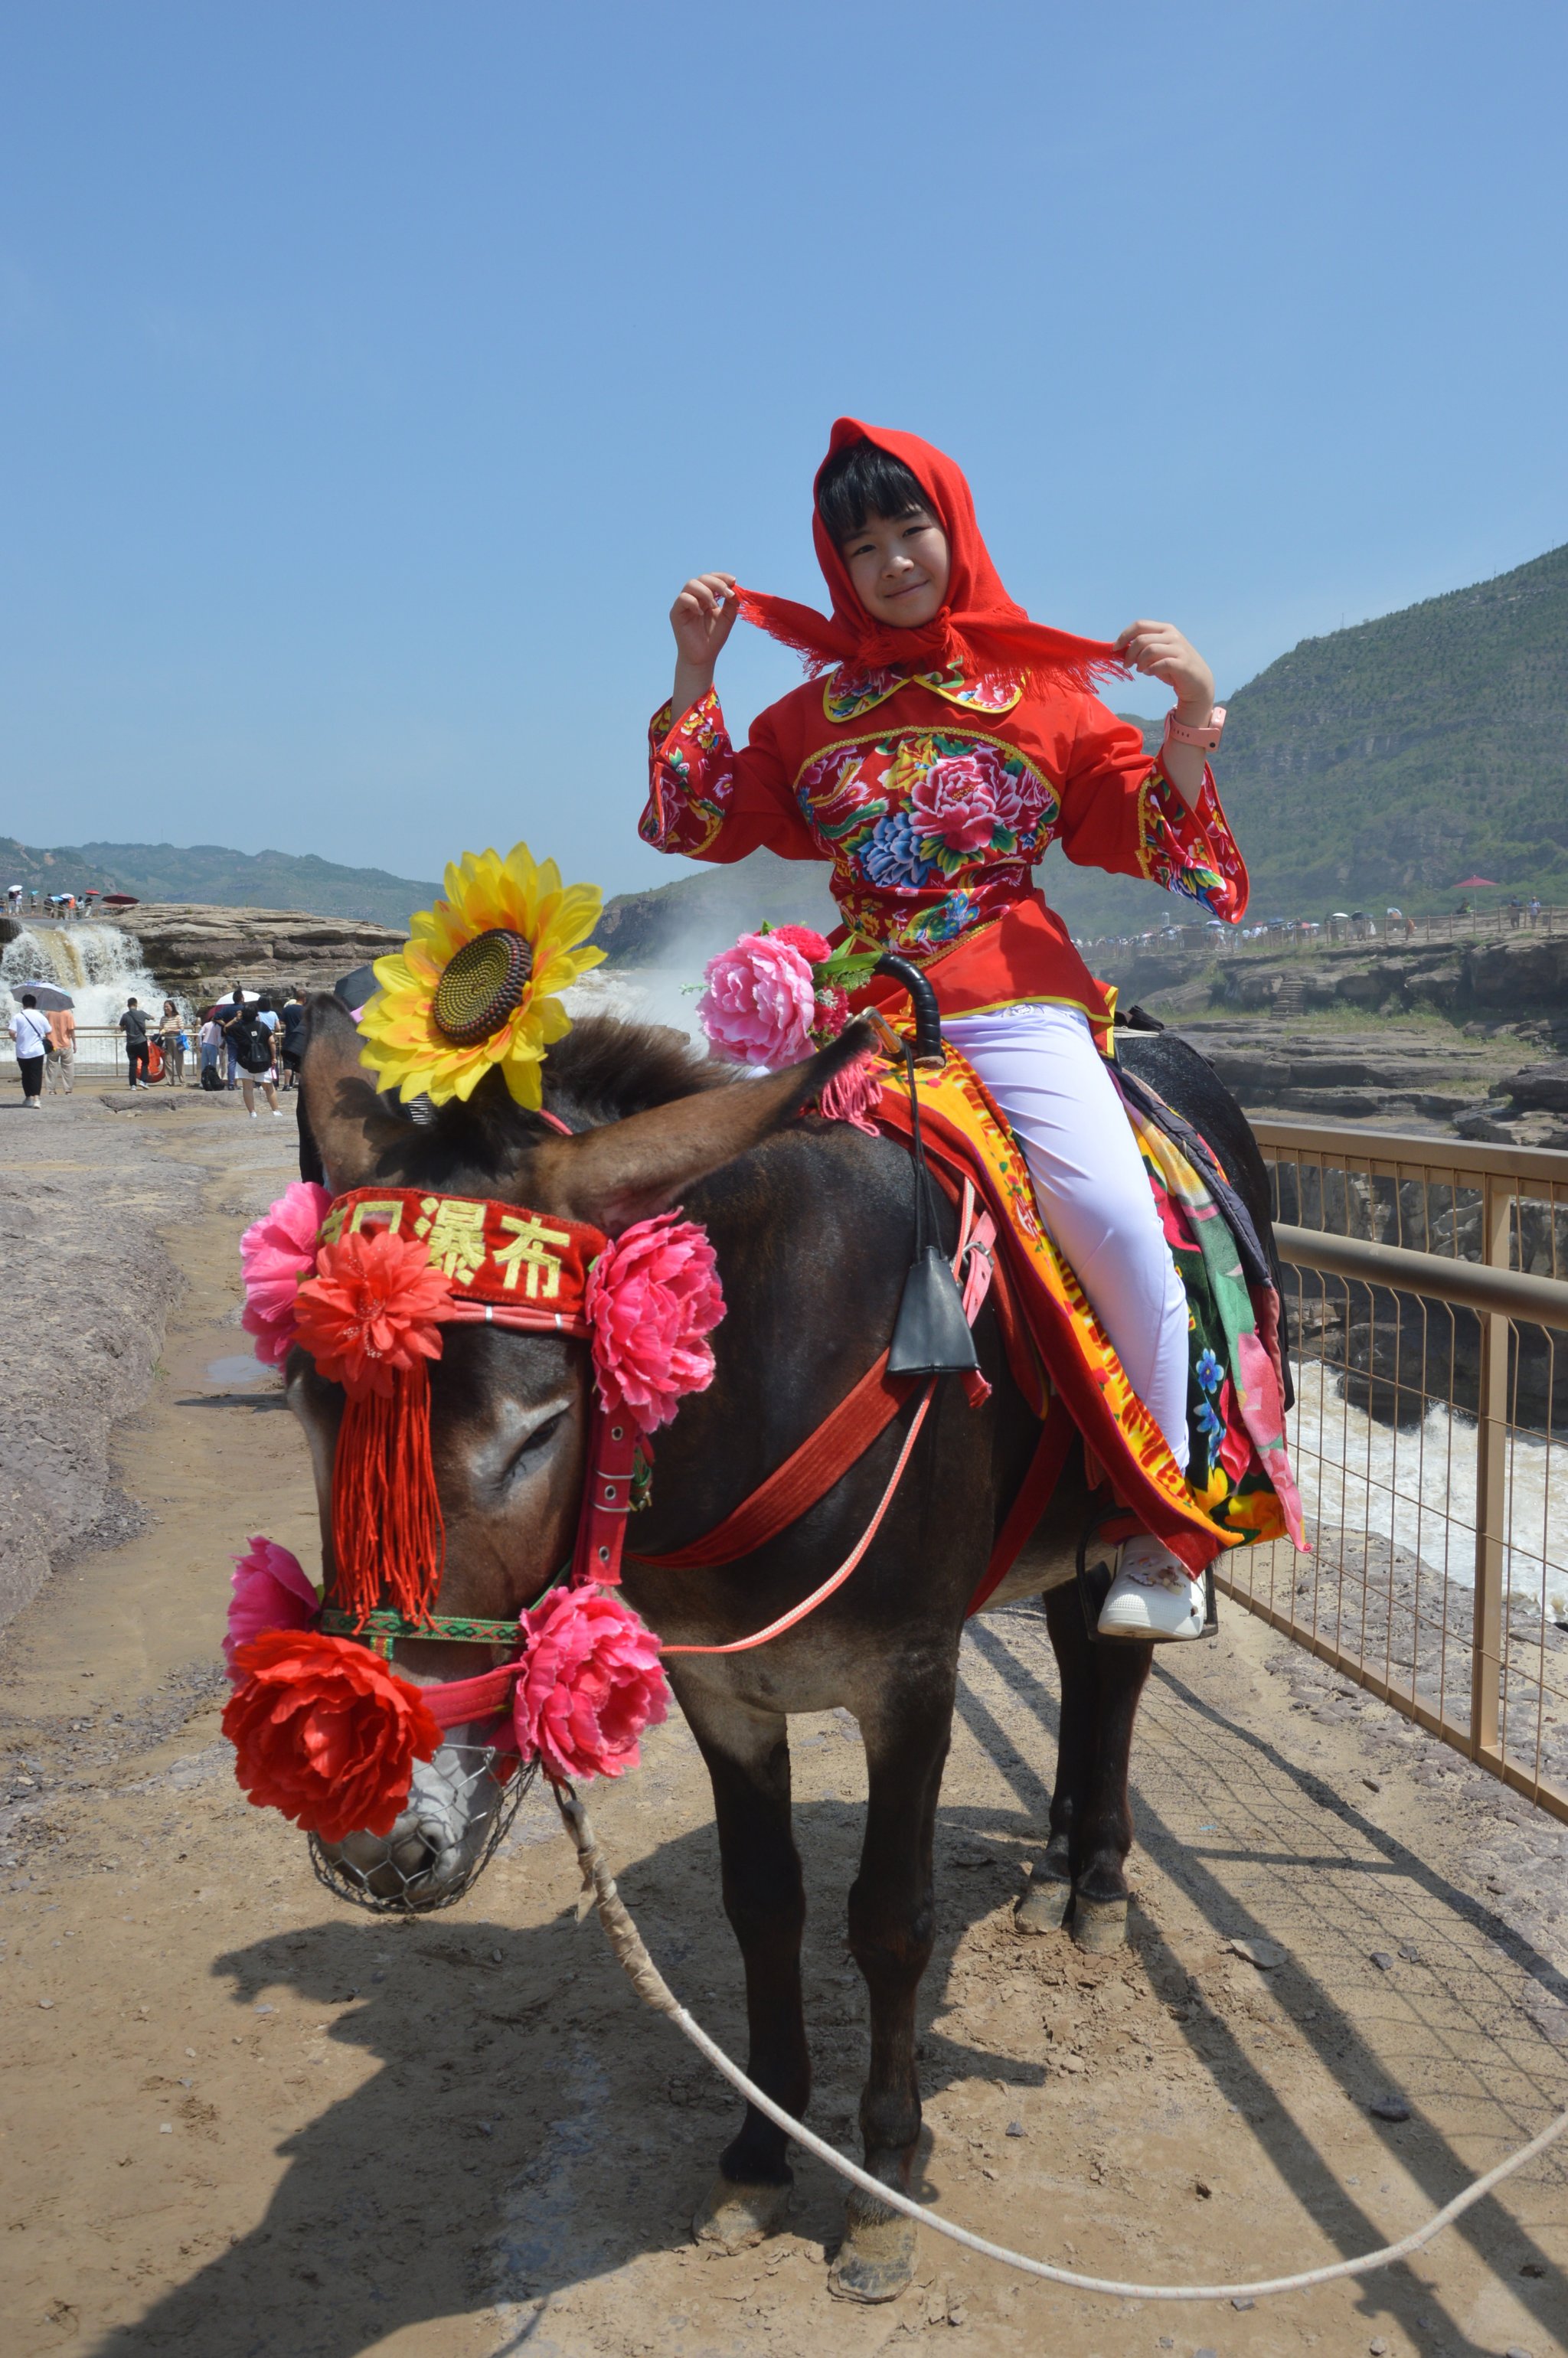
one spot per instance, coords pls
(928, 1048)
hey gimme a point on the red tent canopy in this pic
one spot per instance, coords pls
(1466, 881)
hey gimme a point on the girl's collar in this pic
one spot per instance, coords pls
(849, 691)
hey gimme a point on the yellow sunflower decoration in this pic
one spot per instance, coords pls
(474, 987)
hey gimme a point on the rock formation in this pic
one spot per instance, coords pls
(200, 952)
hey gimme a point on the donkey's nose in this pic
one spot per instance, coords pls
(387, 1866)
(415, 1852)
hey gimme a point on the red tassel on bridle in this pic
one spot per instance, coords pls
(369, 1318)
(388, 1539)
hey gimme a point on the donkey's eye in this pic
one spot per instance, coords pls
(538, 1441)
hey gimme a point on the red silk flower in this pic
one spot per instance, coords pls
(325, 1732)
(275, 1253)
(370, 1309)
(812, 946)
(653, 1296)
(591, 1681)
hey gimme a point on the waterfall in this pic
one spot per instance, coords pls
(100, 965)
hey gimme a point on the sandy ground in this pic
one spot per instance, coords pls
(240, 2119)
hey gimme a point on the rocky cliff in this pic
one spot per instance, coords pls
(199, 951)
(1521, 979)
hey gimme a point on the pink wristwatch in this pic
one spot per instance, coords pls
(1206, 738)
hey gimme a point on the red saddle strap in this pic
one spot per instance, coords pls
(823, 1459)
(841, 1439)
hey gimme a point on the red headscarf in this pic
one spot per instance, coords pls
(978, 627)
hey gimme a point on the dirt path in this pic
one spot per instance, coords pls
(240, 2119)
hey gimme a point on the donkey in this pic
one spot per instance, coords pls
(812, 1223)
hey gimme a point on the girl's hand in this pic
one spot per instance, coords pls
(703, 617)
(1159, 650)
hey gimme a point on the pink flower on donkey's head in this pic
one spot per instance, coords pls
(760, 1002)
(652, 1299)
(592, 1682)
(272, 1591)
(277, 1252)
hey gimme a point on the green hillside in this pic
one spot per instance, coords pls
(225, 880)
(1392, 759)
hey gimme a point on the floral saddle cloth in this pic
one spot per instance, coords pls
(1238, 1487)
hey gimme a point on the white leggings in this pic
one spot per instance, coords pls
(1040, 1065)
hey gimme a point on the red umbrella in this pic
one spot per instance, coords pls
(1465, 883)
(120, 900)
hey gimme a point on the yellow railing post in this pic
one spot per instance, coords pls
(1491, 1484)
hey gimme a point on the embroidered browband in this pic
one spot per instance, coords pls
(504, 1263)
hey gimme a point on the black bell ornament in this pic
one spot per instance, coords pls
(931, 1335)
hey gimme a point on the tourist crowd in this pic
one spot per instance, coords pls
(245, 1042)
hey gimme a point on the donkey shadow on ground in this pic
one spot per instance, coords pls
(532, 2128)
(531, 2125)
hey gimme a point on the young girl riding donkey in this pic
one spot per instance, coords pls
(953, 741)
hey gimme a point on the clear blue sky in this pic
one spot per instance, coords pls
(372, 374)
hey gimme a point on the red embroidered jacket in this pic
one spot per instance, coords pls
(933, 797)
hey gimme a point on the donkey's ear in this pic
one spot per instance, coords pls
(351, 1128)
(630, 1170)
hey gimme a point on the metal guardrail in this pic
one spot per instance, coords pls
(101, 1053)
(1427, 1280)
(1469, 1286)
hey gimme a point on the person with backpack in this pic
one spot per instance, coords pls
(211, 1038)
(250, 1041)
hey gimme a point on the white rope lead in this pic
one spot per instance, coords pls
(598, 1889)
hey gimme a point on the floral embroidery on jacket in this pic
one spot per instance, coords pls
(681, 815)
(847, 694)
(1165, 829)
(929, 833)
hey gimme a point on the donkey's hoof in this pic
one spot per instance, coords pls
(1043, 1906)
(1099, 1925)
(876, 2258)
(735, 2217)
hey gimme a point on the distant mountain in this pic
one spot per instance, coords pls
(1381, 764)
(206, 873)
(1387, 761)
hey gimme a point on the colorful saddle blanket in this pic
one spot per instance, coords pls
(1238, 1487)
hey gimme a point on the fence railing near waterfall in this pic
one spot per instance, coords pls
(101, 1053)
(1427, 1287)
(98, 1050)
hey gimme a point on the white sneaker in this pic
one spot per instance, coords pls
(1153, 1597)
